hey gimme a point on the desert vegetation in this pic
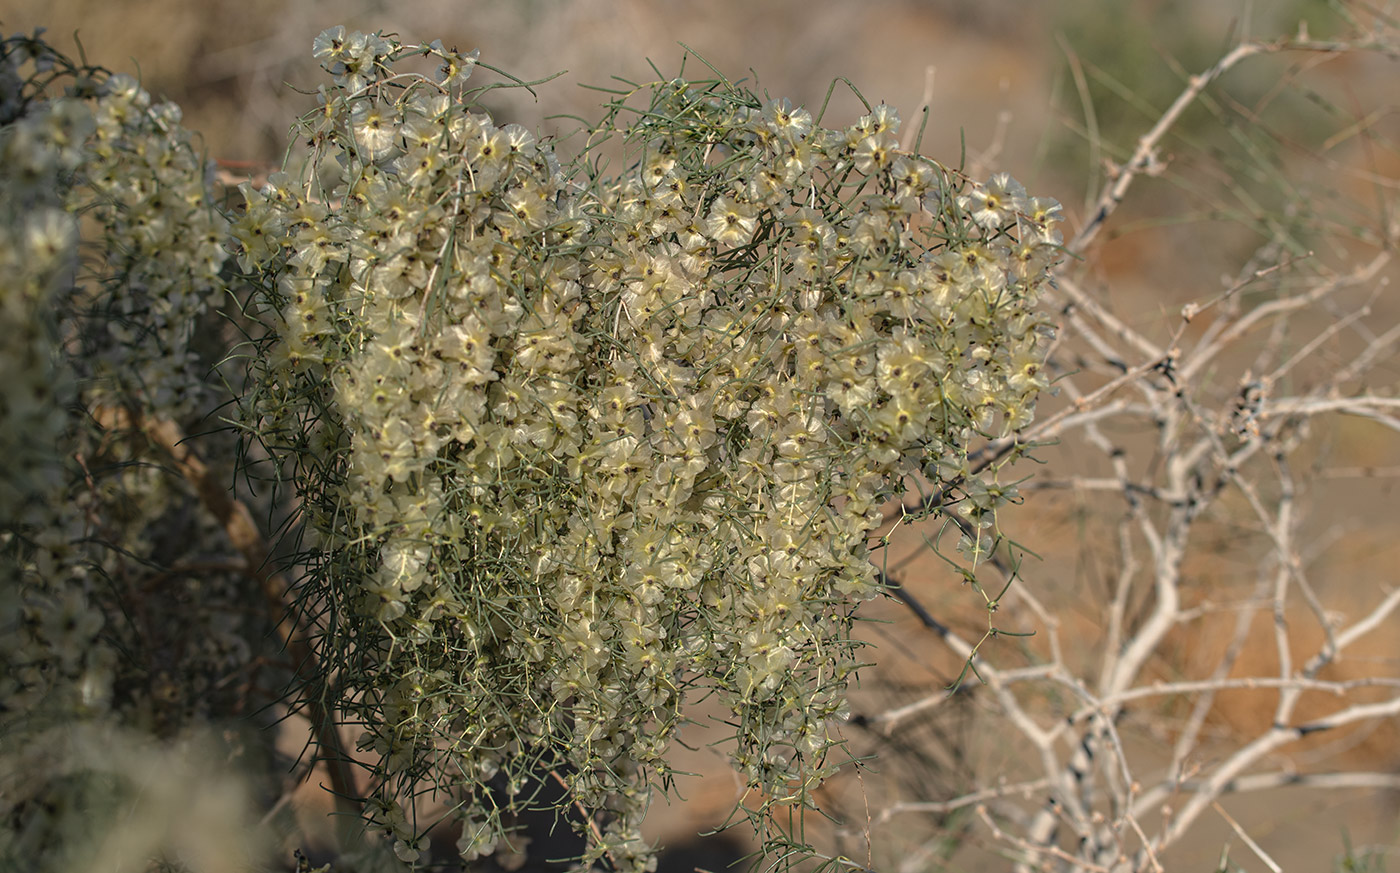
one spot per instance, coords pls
(477, 472)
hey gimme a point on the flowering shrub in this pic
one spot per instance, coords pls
(119, 603)
(567, 446)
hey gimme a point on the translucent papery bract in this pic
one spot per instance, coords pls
(579, 444)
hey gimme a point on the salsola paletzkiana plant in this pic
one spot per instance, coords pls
(571, 444)
(122, 617)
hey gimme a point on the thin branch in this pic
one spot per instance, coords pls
(243, 533)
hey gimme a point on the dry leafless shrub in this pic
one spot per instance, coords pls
(1209, 620)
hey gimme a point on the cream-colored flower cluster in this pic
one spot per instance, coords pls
(38, 258)
(50, 625)
(572, 444)
(117, 605)
(164, 245)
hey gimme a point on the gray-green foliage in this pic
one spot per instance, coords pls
(571, 446)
